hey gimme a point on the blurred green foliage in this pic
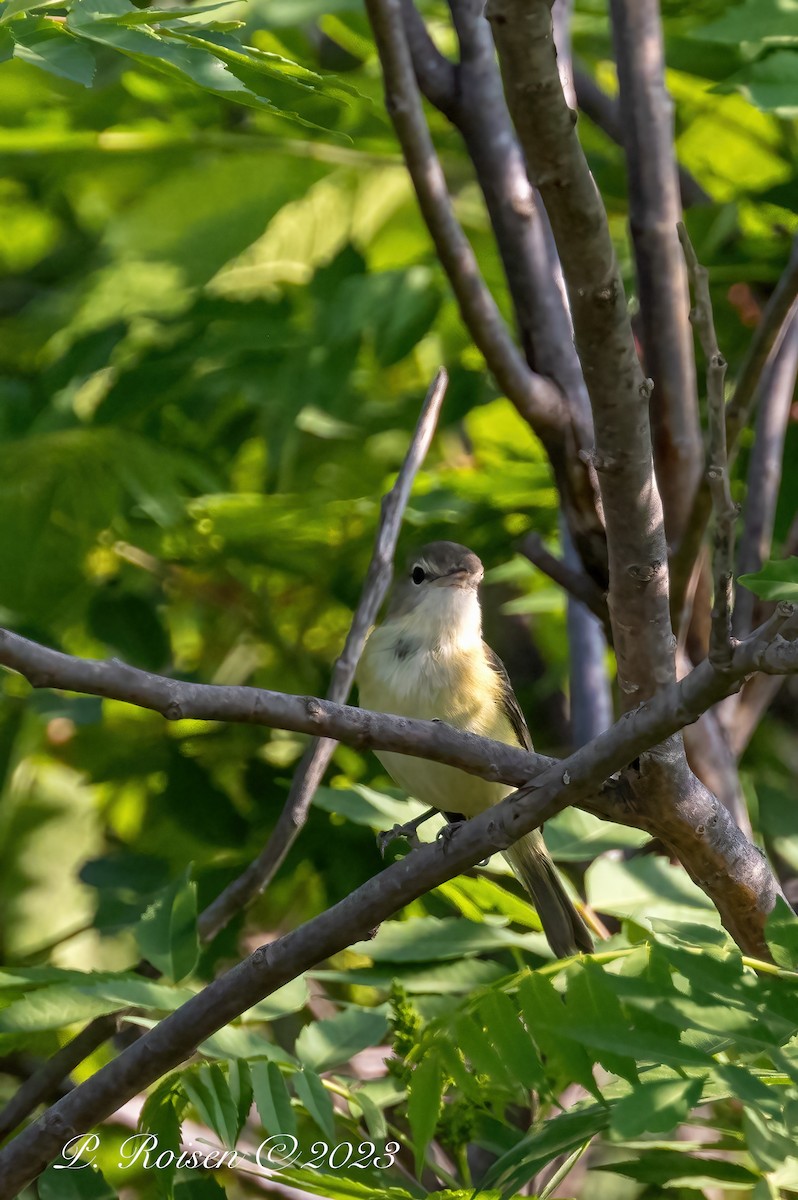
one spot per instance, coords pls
(219, 311)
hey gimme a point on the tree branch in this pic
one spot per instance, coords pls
(574, 581)
(720, 638)
(557, 786)
(605, 113)
(470, 96)
(654, 211)
(257, 876)
(777, 388)
(537, 399)
(619, 393)
(767, 337)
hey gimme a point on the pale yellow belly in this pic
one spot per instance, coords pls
(437, 687)
(441, 786)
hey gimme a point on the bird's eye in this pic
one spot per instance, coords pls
(418, 575)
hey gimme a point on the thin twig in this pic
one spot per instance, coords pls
(575, 582)
(537, 398)
(758, 693)
(720, 641)
(257, 876)
(767, 337)
(777, 388)
(575, 779)
(44, 1082)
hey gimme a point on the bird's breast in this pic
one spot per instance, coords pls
(445, 684)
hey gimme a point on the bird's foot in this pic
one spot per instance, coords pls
(446, 834)
(407, 832)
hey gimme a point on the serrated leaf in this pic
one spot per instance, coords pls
(543, 1143)
(591, 1002)
(316, 1099)
(478, 1047)
(544, 1012)
(208, 1091)
(272, 1099)
(239, 1081)
(654, 1107)
(47, 45)
(333, 1041)
(653, 1166)
(425, 1092)
(167, 933)
(512, 1041)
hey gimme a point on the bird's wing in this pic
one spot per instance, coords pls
(511, 705)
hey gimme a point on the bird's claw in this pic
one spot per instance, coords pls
(406, 832)
(446, 834)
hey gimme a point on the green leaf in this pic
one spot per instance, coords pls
(654, 1107)
(424, 939)
(239, 1081)
(48, 45)
(372, 1115)
(425, 1092)
(682, 1170)
(478, 1047)
(83, 1183)
(781, 935)
(776, 580)
(272, 1098)
(592, 1003)
(13, 8)
(366, 806)
(770, 84)
(316, 1099)
(546, 1018)
(544, 1142)
(287, 999)
(53, 1008)
(131, 626)
(208, 1091)
(333, 1041)
(167, 933)
(761, 22)
(512, 1041)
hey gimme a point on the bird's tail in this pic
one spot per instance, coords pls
(564, 928)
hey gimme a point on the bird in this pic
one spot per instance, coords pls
(429, 660)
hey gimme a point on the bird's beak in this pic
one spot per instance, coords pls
(459, 578)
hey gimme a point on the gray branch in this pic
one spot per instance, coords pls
(619, 393)
(604, 111)
(767, 338)
(473, 100)
(777, 389)
(654, 211)
(720, 638)
(570, 577)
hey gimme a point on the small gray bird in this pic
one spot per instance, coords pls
(428, 660)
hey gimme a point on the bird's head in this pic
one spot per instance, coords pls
(437, 594)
